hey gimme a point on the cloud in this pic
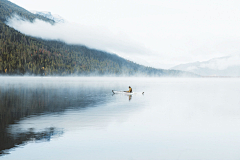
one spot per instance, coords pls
(72, 33)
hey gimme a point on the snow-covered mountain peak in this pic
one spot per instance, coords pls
(55, 17)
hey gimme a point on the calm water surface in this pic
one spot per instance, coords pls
(80, 118)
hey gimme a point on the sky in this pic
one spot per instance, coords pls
(157, 33)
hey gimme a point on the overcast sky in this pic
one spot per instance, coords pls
(161, 33)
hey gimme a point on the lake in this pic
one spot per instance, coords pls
(80, 118)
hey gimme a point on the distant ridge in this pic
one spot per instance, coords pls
(228, 66)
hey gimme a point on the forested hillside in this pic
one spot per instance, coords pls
(21, 54)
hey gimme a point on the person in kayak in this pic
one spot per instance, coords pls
(130, 90)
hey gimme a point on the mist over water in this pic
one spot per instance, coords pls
(80, 118)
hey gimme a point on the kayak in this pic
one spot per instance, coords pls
(127, 93)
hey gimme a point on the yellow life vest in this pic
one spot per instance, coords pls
(130, 90)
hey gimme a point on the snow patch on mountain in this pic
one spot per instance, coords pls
(55, 17)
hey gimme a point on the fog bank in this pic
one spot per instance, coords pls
(96, 37)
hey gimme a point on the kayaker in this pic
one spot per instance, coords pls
(130, 90)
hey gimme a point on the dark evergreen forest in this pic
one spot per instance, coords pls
(21, 54)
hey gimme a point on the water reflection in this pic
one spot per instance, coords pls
(19, 100)
(175, 119)
(130, 97)
(8, 141)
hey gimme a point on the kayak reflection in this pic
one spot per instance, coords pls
(130, 97)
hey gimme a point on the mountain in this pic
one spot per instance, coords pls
(21, 54)
(222, 66)
(56, 18)
(9, 9)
